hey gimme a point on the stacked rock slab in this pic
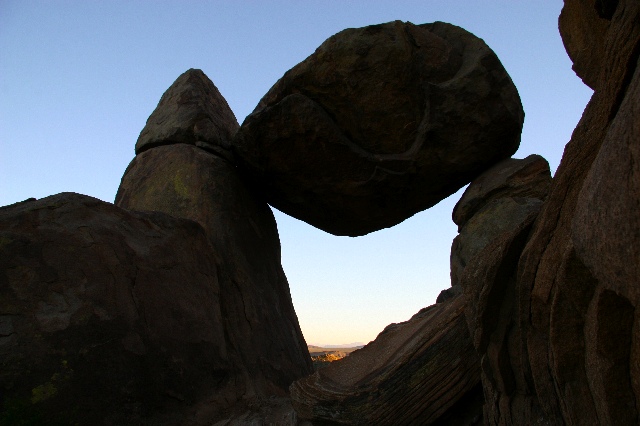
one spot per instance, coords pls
(578, 276)
(108, 316)
(380, 123)
(416, 372)
(175, 176)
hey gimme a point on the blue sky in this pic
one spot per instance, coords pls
(78, 80)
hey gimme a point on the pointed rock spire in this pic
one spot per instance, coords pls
(191, 111)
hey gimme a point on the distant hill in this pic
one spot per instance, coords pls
(346, 345)
(323, 355)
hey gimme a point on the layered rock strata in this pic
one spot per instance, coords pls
(380, 123)
(413, 373)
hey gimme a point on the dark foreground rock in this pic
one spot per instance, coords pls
(558, 333)
(413, 373)
(260, 322)
(185, 181)
(99, 323)
(380, 123)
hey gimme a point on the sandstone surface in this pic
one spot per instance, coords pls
(413, 373)
(108, 316)
(191, 111)
(380, 123)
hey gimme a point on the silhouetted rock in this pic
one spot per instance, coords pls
(511, 178)
(258, 315)
(413, 373)
(559, 344)
(108, 316)
(496, 202)
(380, 123)
(191, 111)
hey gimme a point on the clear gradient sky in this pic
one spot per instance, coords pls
(78, 80)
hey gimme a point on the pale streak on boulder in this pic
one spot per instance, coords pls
(380, 123)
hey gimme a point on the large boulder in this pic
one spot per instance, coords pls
(108, 316)
(380, 123)
(422, 371)
(191, 111)
(185, 181)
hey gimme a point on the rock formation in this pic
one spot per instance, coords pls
(185, 181)
(497, 201)
(172, 307)
(413, 373)
(191, 111)
(380, 123)
(578, 276)
(99, 324)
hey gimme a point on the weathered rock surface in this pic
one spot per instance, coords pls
(380, 123)
(258, 314)
(511, 178)
(191, 111)
(413, 373)
(564, 347)
(108, 316)
(499, 200)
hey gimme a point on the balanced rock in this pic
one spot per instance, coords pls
(422, 371)
(108, 316)
(191, 111)
(380, 123)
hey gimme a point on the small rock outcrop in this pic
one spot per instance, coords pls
(183, 180)
(380, 123)
(108, 316)
(413, 373)
(497, 201)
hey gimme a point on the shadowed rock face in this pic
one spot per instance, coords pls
(183, 180)
(380, 123)
(108, 316)
(413, 373)
(565, 345)
(498, 201)
(258, 315)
